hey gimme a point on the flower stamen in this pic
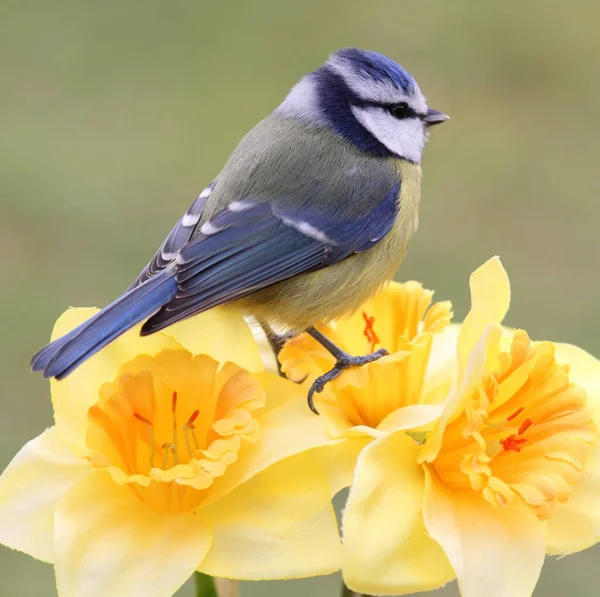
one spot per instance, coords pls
(513, 442)
(175, 448)
(150, 429)
(190, 428)
(516, 414)
(527, 423)
(167, 447)
(369, 331)
(186, 438)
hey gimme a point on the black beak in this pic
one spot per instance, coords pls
(434, 117)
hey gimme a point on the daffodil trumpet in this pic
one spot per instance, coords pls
(343, 361)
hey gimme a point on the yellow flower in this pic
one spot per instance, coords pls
(397, 391)
(510, 471)
(404, 391)
(165, 459)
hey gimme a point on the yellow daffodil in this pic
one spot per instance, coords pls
(398, 391)
(510, 470)
(171, 453)
(404, 391)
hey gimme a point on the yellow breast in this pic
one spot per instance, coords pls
(409, 199)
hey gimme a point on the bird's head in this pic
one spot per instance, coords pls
(368, 99)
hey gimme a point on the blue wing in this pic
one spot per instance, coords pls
(246, 247)
(177, 238)
(252, 245)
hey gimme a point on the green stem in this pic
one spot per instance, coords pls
(205, 585)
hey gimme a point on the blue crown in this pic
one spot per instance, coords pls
(377, 67)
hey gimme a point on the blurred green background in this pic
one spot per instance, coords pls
(115, 114)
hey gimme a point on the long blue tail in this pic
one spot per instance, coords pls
(65, 354)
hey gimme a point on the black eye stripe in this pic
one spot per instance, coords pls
(400, 110)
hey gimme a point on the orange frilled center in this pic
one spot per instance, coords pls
(172, 423)
(401, 319)
(525, 432)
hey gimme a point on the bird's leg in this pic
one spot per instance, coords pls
(343, 360)
(276, 341)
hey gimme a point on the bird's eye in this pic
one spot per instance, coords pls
(401, 110)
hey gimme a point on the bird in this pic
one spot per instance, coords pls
(311, 214)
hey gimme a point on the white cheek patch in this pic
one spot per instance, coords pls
(406, 137)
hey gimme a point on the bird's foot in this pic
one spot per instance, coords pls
(344, 361)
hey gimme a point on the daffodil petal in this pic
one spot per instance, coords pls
(338, 423)
(73, 396)
(278, 525)
(339, 461)
(223, 334)
(443, 350)
(107, 542)
(280, 392)
(442, 365)
(411, 417)
(474, 371)
(575, 525)
(288, 429)
(584, 369)
(490, 300)
(386, 549)
(496, 552)
(30, 489)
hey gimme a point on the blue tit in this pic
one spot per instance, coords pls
(312, 213)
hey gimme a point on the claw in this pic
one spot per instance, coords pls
(345, 361)
(319, 385)
(311, 398)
